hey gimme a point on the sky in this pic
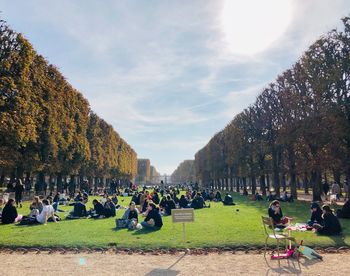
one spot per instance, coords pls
(168, 74)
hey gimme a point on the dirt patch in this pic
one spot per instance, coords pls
(177, 264)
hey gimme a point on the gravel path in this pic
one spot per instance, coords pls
(178, 264)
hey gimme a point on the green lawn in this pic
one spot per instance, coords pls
(215, 227)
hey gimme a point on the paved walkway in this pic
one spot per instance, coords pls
(178, 264)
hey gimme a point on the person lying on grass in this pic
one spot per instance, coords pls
(331, 223)
(316, 214)
(275, 212)
(153, 219)
(228, 200)
(9, 213)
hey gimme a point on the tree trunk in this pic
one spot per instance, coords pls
(306, 183)
(284, 184)
(244, 180)
(59, 183)
(268, 182)
(51, 183)
(336, 175)
(2, 180)
(292, 173)
(237, 184)
(253, 184)
(275, 172)
(316, 177)
(262, 184)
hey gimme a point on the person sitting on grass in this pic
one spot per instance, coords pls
(98, 211)
(2, 203)
(286, 198)
(245, 191)
(344, 212)
(198, 202)
(36, 207)
(163, 203)
(131, 215)
(9, 213)
(316, 214)
(270, 197)
(218, 196)
(228, 200)
(155, 197)
(211, 195)
(257, 197)
(331, 223)
(78, 197)
(47, 214)
(153, 219)
(183, 202)
(79, 210)
(110, 209)
(169, 206)
(275, 212)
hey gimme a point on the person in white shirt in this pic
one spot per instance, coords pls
(46, 213)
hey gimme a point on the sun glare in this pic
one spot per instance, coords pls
(251, 26)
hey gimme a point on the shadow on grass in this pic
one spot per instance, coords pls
(144, 231)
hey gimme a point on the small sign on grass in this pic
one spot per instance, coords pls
(182, 216)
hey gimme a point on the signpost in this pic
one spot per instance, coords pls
(182, 216)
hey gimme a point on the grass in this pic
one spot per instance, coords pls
(218, 226)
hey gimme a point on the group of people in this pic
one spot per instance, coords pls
(334, 191)
(323, 220)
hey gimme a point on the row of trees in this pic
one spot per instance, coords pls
(298, 129)
(185, 172)
(47, 127)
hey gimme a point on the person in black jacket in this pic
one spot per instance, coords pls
(155, 197)
(218, 196)
(228, 200)
(183, 202)
(153, 219)
(344, 212)
(9, 213)
(331, 223)
(99, 210)
(275, 212)
(110, 209)
(316, 214)
(79, 210)
(169, 205)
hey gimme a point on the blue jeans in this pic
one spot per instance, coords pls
(146, 225)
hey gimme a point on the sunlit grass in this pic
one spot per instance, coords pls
(217, 226)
